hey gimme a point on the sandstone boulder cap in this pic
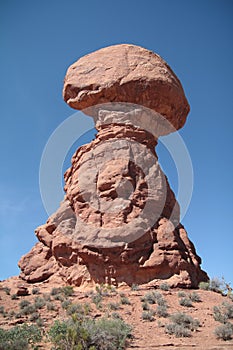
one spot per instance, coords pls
(126, 73)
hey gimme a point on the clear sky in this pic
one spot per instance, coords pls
(40, 39)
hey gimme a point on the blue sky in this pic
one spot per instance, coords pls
(40, 39)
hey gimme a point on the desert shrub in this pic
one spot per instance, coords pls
(148, 315)
(185, 302)
(228, 309)
(7, 290)
(51, 306)
(34, 316)
(24, 303)
(125, 301)
(59, 297)
(27, 310)
(182, 325)
(113, 306)
(224, 331)
(39, 302)
(181, 294)
(35, 290)
(79, 310)
(145, 306)
(14, 297)
(46, 297)
(40, 322)
(223, 312)
(74, 309)
(2, 310)
(178, 330)
(164, 286)
(216, 285)
(86, 308)
(19, 337)
(104, 333)
(65, 304)
(67, 291)
(185, 320)
(55, 291)
(11, 314)
(105, 290)
(161, 311)
(152, 297)
(116, 315)
(195, 297)
(204, 285)
(134, 287)
(161, 302)
(97, 299)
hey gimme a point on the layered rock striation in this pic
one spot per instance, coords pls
(119, 221)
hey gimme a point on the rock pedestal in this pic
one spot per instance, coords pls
(119, 221)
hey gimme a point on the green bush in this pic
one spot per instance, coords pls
(74, 309)
(24, 303)
(11, 314)
(195, 297)
(148, 315)
(114, 306)
(216, 285)
(7, 290)
(125, 301)
(185, 302)
(34, 316)
(223, 312)
(27, 310)
(204, 285)
(59, 297)
(116, 315)
(19, 337)
(152, 297)
(97, 299)
(161, 302)
(178, 330)
(51, 307)
(65, 304)
(79, 310)
(161, 311)
(40, 322)
(185, 320)
(145, 306)
(39, 302)
(164, 286)
(134, 287)
(2, 310)
(35, 290)
(55, 291)
(109, 334)
(224, 331)
(46, 297)
(105, 290)
(181, 294)
(182, 325)
(14, 297)
(67, 291)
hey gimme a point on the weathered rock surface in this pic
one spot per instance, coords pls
(119, 221)
(126, 73)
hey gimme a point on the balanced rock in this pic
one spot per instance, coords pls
(126, 73)
(119, 221)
